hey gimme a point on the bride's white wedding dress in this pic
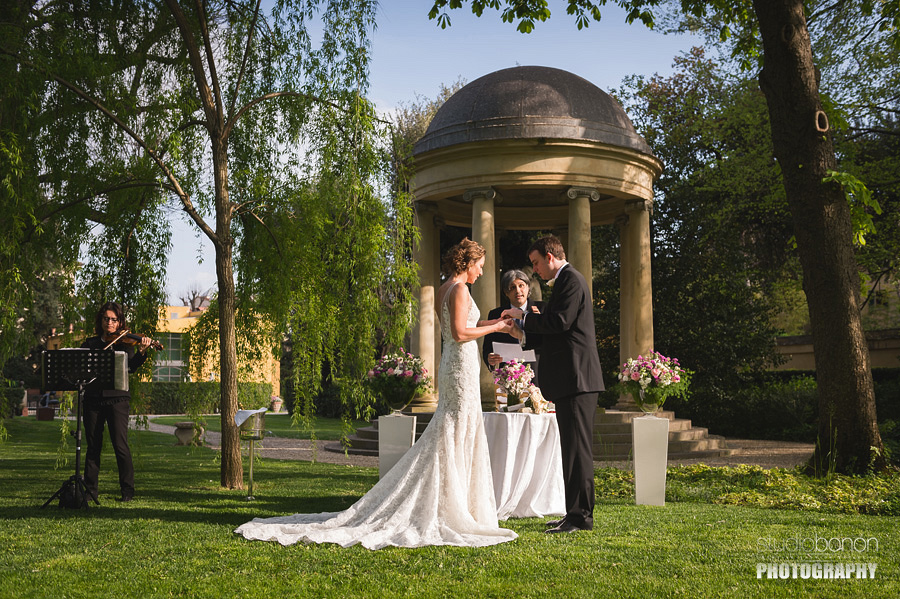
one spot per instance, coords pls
(441, 491)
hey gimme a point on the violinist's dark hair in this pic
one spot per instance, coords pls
(112, 307)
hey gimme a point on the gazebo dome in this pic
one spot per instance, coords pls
(530, 103)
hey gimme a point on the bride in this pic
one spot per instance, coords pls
(441, 491)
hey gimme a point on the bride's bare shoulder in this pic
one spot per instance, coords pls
(450, 292)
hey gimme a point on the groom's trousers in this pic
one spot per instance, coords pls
(575, 417)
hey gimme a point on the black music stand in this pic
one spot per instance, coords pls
(76, 370)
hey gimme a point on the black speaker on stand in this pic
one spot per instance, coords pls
(78, 370)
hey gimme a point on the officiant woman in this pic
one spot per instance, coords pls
(516, 286)
(111, 406)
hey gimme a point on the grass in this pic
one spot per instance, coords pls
(176, 540)
(279, 425)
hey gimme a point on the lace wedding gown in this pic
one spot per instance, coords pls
(441, 491)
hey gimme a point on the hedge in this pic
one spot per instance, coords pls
(199, 398)
(11, 401)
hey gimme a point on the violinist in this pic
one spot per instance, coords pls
(111, 406)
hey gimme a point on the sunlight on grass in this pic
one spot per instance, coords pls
(278, 425)
(176, 539)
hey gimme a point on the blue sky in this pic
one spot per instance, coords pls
(412, 55)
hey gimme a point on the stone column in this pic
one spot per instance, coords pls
(578, 252)
(636, 311)
(424, 341)
(485, 291)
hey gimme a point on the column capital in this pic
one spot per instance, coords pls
(428, 211)
(639, 205)
(488, 193)
(577, 192)
(622, 220)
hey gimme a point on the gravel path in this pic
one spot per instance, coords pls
(768, 454)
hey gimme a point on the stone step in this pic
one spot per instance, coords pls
(625, 438)
(620, 417)
(710, 446)
(674, 446)
(365, 440)
(620, 428)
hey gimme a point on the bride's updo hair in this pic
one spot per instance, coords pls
(461, 256)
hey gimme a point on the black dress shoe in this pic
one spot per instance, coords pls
(566, 526)
(554, 523)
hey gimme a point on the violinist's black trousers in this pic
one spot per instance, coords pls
(116, 416)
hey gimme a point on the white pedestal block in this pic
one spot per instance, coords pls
(396, 434)
(651, 448)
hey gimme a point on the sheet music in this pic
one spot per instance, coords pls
(514, 351)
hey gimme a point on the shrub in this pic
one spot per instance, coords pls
(199, 398)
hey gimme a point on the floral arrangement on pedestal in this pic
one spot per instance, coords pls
(653, 378)
(398, 377)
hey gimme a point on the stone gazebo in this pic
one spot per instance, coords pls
(540, 148)
(534, 148)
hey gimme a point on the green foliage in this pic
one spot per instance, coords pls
(861, 201)
(762, 407)
(719, 228)
(255, 128)
(198, 398)
(10, 403)
(758, 487)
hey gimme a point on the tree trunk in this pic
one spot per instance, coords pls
(849, 441)
(232, 470)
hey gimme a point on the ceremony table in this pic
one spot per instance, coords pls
(526, 463)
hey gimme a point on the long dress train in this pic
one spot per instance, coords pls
(441, 491)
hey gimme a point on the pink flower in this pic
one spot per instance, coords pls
(390, 371)
(371, 373)
(635, 376)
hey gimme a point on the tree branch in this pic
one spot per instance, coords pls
(245, 58)
(176, 185)
(233, 120)
(210, 57)
(196, 63)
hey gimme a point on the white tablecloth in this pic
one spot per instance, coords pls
(526, 464)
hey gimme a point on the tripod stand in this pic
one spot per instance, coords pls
(73, 493)
(70, 370)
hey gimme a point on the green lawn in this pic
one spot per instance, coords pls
(279, 425)
(176, 540)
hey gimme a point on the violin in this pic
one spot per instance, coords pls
(128, 338)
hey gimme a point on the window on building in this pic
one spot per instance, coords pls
(169, 365)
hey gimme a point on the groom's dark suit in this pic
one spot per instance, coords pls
(571, 378)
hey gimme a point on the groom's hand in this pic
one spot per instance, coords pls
(513, 328)
(513, 313)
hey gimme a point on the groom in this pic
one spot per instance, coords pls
(570, 373)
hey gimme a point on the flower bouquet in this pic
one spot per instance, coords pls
(514, 377)
(651, 379)
(398, 377)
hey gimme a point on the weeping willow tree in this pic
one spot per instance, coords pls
(256, 128)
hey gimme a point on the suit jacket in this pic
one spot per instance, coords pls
(491, 338)
(567, 339)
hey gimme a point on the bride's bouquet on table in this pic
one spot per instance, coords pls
(514, 378)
